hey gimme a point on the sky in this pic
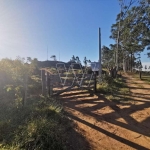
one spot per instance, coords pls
(28, 28)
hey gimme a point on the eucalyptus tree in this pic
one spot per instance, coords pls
(107, 57)
(86, 61)
(73, 58)
(123, 10)
(134, 29)
(77, 60)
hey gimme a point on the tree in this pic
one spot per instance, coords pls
(14, 75)
(54, 57)
(29, 59)
(77, 60)
(107, 57)
(134, 29)
(86, 61)
(120, 17)
(148, 54)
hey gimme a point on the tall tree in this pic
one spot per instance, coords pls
(107, 57)
(133, 30)
(86, 61)
(77, 60)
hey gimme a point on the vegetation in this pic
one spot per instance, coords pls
(114, 89)
(107, 57)
(131, 33)
(39, 125)
(31, 121)
(53, 57)
(145, 76)
(27, 119)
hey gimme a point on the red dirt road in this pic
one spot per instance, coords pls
(107, 125)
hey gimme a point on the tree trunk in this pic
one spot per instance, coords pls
(140, 74)
(95, 90)
(131, 63)
(124, 64)
(128, 63)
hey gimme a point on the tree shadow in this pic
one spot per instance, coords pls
(59, 130)
(146, 80)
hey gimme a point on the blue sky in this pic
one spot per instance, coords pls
(68, 27)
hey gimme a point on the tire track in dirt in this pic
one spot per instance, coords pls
(107, 125)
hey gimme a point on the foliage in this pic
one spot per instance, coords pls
(54, 57)
(14, 76)
(75, 59)
(86, 61)
(109, 85)
(107, 57)
(145, 76)
(40, 125)
(113, 88)
(132, 29)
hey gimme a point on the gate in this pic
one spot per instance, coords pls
(65, 79)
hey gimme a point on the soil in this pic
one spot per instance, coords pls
(108, 125)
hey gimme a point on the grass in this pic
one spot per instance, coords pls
(40, 125)
(114, 89)
(145, 76)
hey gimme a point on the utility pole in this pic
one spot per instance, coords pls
(100, 66)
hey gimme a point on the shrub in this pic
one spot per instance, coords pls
(40, 125)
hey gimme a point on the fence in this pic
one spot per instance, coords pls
(55, 84)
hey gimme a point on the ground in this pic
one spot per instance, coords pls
(109, 125)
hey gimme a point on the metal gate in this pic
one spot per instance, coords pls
(65, 79)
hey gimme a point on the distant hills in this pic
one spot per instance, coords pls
(43, 64)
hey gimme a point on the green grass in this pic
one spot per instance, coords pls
(114, 89)
(145, 77)
(40, 125)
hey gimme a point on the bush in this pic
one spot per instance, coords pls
(40, 125)
(110, 85)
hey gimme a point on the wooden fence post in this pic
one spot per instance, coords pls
(48, 83)
(51, 85)
(43, 82)
(140, 75)
(95, 90)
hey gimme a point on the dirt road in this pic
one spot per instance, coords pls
(107, 125)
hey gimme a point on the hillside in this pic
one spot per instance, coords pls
(42, 64)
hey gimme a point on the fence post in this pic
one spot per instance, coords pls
(140, 75)
(47, 83)
(43, 82)
(51, 85)
(95, 90)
